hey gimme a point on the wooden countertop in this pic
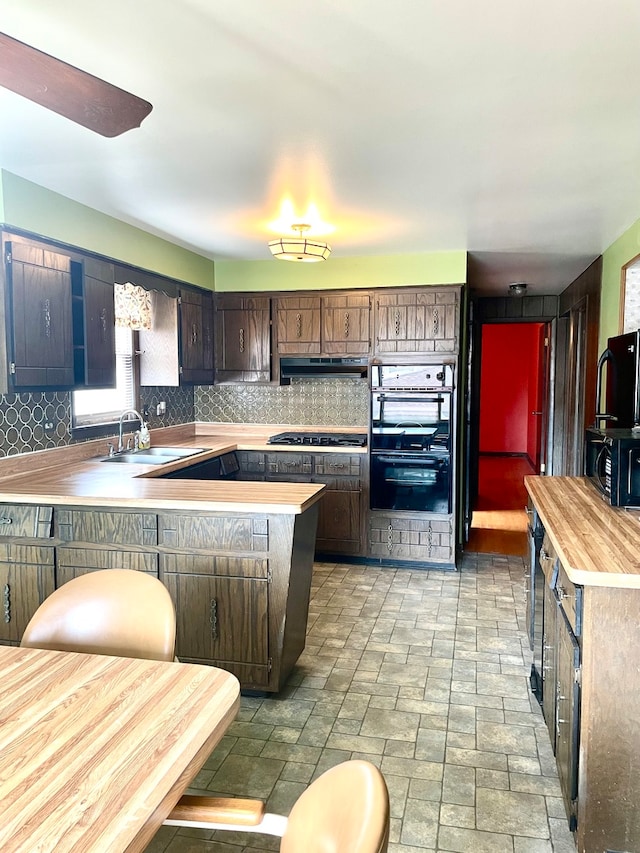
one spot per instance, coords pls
(76, 476)
(96, 750)
(599, 545)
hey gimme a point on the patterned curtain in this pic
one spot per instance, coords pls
(133, 306)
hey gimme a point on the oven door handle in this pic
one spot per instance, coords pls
(425, 458)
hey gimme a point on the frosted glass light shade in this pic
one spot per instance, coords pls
(299, 249)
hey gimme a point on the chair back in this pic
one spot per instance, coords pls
(346, 810)
(117, 612)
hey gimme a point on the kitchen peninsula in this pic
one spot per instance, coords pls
(237, 557)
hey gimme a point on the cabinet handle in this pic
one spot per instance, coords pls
(298, 325)
(436, 322)
(194, 334)
(390, 538)
(7, 603)
(103, 325)
(562, 593)
(544, 555)
(6, 519)
(528, 511)
(397, 324)
(429, 539)
(46, 317)
(346, 324)
(213, 618)
(241, 336)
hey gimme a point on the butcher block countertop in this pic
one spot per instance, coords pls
(76, 475)
(598, 545)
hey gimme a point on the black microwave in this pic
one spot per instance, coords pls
(612, 463)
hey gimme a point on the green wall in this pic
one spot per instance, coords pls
(375, 271)
(33, 208)
(625, 249)
(30, 207)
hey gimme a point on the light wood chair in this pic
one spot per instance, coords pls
(129, 614)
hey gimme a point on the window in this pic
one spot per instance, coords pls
(102, 406)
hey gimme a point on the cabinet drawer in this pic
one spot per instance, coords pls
(107, 528)
(289, 463)
(570, 599)
(337, 465)
(26, 520)
(205, 564)
(422, 539)
(92, 559)
(214, 533)
(37, 555)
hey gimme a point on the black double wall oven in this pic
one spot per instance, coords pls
(410, 446)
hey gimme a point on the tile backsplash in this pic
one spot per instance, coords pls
(25, 418)
(317, 402)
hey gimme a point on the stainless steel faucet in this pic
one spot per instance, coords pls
(126, 412)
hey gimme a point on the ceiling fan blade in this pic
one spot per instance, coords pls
(68, 91)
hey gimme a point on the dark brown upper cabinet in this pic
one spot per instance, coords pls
(40, 328)
(94, 324)
(345, 324)
(243, 339)
(196, 337)
(420, 321)
(331, 325)
(298, 324)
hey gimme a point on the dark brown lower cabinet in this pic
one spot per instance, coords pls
(342, 509)
(223, 620)
(26, 579)
(590, 689)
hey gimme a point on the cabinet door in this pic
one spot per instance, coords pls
(243, 340)
(549, 674)
(339, 522)
(96, 359)
(345, 324)
(567, 715)
(424, 321)
(220, 619)
(196, 337)
(298, 325)
(40, 316)
(24, 587)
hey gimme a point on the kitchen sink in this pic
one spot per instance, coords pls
(137, 458)
(152, 455)
(178, 452)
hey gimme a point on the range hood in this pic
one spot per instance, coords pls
(313, 367)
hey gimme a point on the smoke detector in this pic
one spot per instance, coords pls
(518, 288)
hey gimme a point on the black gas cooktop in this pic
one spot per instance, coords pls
(320, 439)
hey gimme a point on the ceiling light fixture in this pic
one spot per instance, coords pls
(299, 248)
(518, 288)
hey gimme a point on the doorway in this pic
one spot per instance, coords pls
(512, 432)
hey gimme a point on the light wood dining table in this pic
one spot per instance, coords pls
(95, 751)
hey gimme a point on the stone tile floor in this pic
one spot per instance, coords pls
(424, 673)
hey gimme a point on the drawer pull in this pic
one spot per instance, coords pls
(562, 593)
(346, 324)
(436, 322)
(6, 519)
(213, 618)
(298, 325)
(390, 538)
(241, 339)
(7, 603)
(397, 324)
(544, 556)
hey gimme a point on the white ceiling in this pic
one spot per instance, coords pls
(509, 129)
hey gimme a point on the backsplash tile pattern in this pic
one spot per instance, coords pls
(318, 402)
(23, 417)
